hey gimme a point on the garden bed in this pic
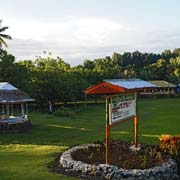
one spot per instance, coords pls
(88, 161)
(12, 126)
(122, 156)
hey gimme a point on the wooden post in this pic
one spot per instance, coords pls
(12, 110)
(3, 109)
(107, 131)
(50, 106)
(136, 122)
(136, 130)
(7, 110)
(22, 109)
(26, 108)
(3, 114)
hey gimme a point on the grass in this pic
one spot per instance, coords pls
(25, 156)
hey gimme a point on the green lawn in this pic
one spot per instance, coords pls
(25, 156)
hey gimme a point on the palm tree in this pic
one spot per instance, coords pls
(3, 36)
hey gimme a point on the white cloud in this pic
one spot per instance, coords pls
(75, 39)
(71, 38)
(78, 28)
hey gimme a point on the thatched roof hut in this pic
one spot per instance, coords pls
(11, 94)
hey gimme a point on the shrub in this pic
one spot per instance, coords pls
(64, 112)
(70, 111)
(171, 145)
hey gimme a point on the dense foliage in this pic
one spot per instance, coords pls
(53, 80)
(147, 66)
(171, 145)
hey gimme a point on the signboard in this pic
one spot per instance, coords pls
(121, 107)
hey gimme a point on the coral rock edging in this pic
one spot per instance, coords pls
(166, 171)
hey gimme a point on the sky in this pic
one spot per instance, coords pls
(76, 30)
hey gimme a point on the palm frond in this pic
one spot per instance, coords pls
(5, 36)
(2, 42)
(3, 28)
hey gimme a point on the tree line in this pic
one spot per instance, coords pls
(147, 66)
(52, 79)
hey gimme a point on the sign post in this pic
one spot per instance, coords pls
(136, 123)
(107, 131)
(119, 108)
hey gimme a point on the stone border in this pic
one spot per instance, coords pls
(19, 127)
(168, 170)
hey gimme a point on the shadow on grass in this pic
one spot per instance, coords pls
(53, 130)
(156, 117)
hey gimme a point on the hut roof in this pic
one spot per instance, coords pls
(113, 86)
(163, 84)
(11, 94)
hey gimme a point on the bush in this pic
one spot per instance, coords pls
(171, 145)
(69, 111)
(64, 112)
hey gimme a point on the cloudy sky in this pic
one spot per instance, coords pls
(77, 30)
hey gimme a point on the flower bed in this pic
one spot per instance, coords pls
(171, 145)
(74, 161)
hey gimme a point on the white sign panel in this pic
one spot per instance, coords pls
(121, 107)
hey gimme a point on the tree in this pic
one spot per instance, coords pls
(176, 52)
(167, 54)
(3, 36)
(88, 64)
(54, 81)
(6, 66)
(174, 70)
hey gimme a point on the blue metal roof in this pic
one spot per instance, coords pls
(130, 83)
